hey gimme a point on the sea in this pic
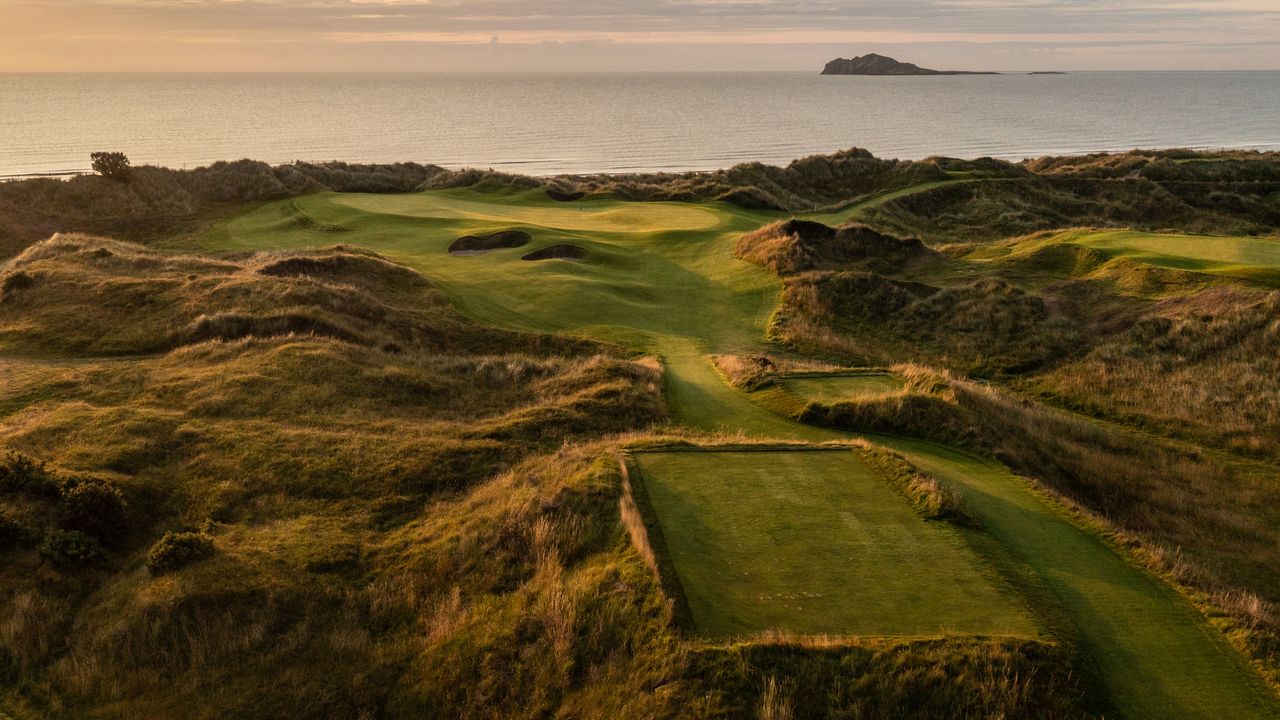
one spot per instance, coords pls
(542, 124)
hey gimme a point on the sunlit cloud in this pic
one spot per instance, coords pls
(74, 34)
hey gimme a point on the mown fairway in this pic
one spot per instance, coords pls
(641, 280)
(815, 543)
(680, 292)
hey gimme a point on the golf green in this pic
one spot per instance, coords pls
(1244, 257)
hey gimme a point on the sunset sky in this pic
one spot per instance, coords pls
(523, 35)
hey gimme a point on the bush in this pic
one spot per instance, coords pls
(111, 165)
(21, 474)
(11, 532)
(177, 550)
(70, 547)
(93, 506)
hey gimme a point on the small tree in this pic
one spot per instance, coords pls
(111, 165)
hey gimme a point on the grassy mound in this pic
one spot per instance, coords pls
(1201, 366)
(560, 251)
(295, 524)
(1002, 208)
(79, 294)
(823, 387)
(987, 326)
(797, 246)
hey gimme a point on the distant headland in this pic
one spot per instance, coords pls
(873, 64)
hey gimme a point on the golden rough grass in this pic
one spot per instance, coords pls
(1203, 367)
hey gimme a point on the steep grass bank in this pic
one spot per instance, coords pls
(353, 516)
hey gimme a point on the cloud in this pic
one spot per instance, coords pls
(36, 31)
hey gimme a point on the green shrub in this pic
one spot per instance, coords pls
(93, 506)
(177, 550)
(70, 547)
(21, 474)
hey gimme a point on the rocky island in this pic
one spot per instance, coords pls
(873, 64)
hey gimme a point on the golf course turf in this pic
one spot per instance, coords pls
(662, 278)
(1243, 257)
(813, 542)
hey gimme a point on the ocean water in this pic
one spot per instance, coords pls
(583, 123)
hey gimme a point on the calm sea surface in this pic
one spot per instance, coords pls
(543, 124)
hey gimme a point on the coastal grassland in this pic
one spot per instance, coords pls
(679, 294)
(388, 511)
(1178, 344)
(369, 516)
(812, 541)
(588, 634)
(1200, 368)
(637, 282)
(994, 208)
(940, 199)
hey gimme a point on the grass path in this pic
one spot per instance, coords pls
(682, 294)
(851, 212)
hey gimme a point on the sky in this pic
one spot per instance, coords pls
(575, 35)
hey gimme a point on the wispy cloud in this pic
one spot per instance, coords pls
(36, 32)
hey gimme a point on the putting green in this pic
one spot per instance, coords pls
(813, 543)
(1246, 257)
(832, 388)
(682, 294)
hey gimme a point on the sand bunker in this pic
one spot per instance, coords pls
(479, 244)
(564, 195)
(557, 252)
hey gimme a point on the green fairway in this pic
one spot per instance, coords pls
(640, 279)
(542, 212)
(833, 388)
(1244, 257)
(678, 291)
(813, 542)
